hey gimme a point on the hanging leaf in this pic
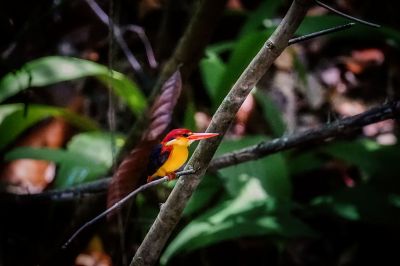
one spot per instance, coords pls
(271, 170)
(13, 120)
(212, 69)
(132, 169)
(243, 52)
(53, 69)
(97, 147)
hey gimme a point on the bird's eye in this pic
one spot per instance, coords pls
(185, 135)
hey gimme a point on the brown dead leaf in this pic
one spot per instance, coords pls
(362, 59)
(94, 255)
(243, 115)
(33, 176)
(132, 169)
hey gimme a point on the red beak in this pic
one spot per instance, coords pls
(199, 136)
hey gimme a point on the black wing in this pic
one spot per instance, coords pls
(157, 158)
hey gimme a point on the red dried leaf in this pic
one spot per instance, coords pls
(132, 169)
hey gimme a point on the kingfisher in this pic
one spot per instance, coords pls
(169, 155)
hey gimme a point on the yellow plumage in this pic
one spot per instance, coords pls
(178, 156)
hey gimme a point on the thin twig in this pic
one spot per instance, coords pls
(120, 203)
(118, 37)
(320, 33)
(347, 16)
(323, 133)
(146, 43)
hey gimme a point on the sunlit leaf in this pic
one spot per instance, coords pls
(208, 188)
(13, 120)
(53, 69)
(99, 146)
(246, 215)
(212, 68)
(271, 170)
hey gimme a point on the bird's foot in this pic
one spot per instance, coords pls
(171, 176)
(149, 179)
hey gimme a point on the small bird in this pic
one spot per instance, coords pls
(172, 152)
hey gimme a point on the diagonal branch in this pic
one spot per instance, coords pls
(150, 249)
(333, 130)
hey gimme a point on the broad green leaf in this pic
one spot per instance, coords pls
(359, 152)
(53, 69)
(212, 68)
(377, 162)
(306, 161)
(271, 113)
(189, 121)
(99, 146)
(246, 215)
(272, 170)
(13, 120)
(205, 192)
(54, 155)
(243, 52)
(266, 10)
(364, 203)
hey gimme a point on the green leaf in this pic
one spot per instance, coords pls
(378, 163)
(271, 113)
(205, 192)
(189, 121)
(212, 68)
(266, 10)
(54, 155)
(306, 161)
(271, 170)
(363, 203)
(246, 215)
(358, 152)
(13, 121)
(243, 52)
(98, 147)
(53, 69)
